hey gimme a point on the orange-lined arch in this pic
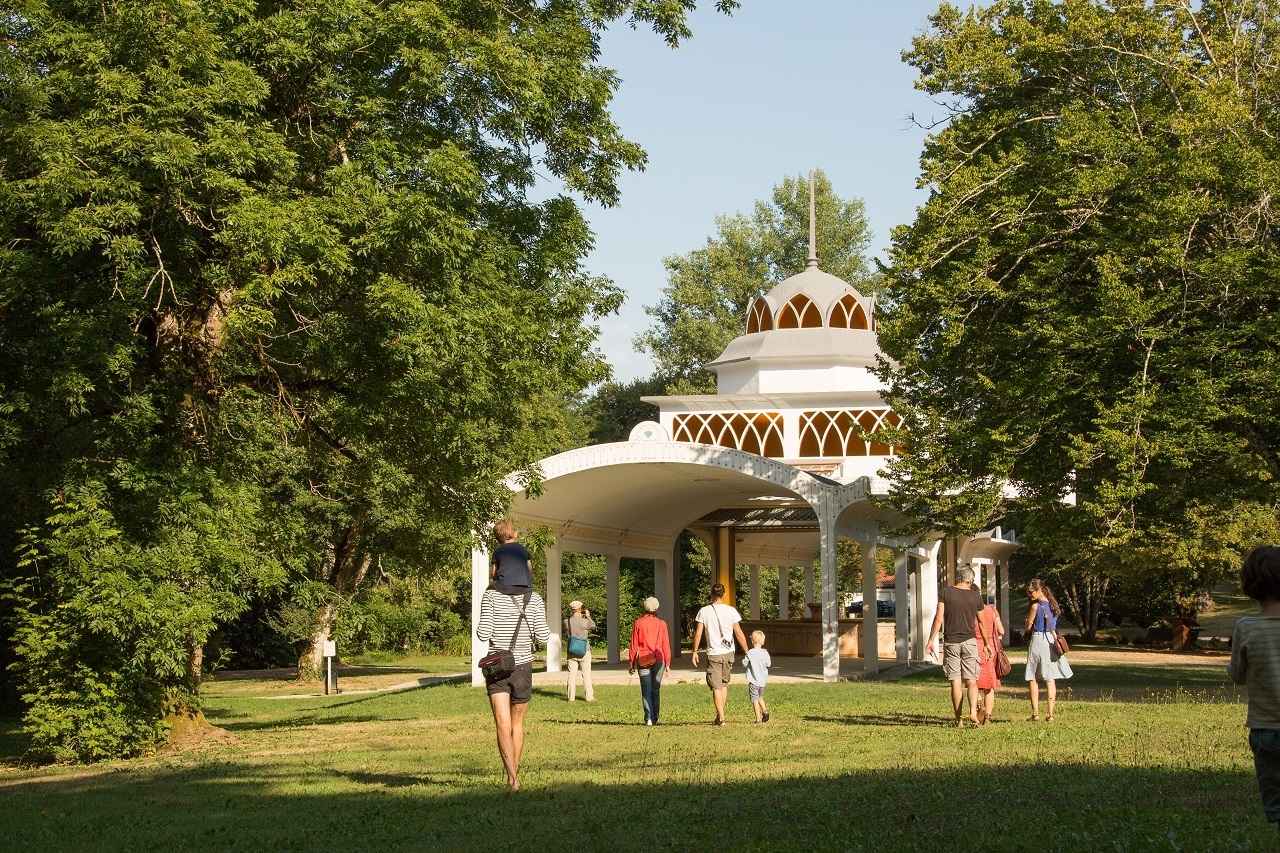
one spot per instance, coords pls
(799, 313)
(847, 314)
(759, 318)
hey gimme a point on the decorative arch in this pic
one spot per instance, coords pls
(799, 313)
(846, 432)
(755, 432)
(759, 318)
(848, 314)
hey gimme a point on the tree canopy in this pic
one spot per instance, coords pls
(704, 305)
(273, 273)
(1085, 308)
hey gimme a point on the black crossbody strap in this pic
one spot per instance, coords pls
(516, 633)
(720, 628)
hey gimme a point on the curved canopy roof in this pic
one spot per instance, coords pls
(642, 494)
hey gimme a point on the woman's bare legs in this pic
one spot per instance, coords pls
(1053, 697)
(1034, 687)
(508, 719)
(517, 732)
(988, 703)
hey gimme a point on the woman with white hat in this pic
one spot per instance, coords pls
(576, 628)
(651, 654)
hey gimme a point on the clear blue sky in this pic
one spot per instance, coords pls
(779, 88)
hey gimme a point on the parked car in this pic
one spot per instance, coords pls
(884, 609)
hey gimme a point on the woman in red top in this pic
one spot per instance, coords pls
(651, 653)
(988, 681)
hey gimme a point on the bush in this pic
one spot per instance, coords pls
(252, 640)
(403, 615)
(106, 627)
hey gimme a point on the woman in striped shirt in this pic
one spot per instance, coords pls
(512, 622)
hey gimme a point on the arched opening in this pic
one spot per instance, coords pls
(759, 319)
(847, 314)
(799, 313)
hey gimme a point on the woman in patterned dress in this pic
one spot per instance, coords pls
(988, 681)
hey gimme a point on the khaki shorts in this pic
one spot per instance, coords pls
(960, 660)
(719, 671)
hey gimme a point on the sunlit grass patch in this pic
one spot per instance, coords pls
(1149, 760)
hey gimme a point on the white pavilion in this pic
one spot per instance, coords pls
(769, 472)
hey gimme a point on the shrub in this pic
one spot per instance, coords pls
(403, 615)
(108, 629)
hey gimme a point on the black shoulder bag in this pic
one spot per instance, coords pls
(499, 664)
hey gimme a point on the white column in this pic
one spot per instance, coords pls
(790, 434)
(830, 604)
(664, 589)
(554, 608)
(913, 596)
(611, 562)
(808, 587)
(784, 594)
(870, 623)
(479, 582)
(671, 605)
(928, 580)
(900, 599)
(1005, 616)
(755, 591)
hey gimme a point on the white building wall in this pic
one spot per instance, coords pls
(796, 379)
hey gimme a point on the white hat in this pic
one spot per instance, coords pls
(651, 605)
(575, 605)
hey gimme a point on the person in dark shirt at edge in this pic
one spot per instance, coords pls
(958, 609)
(512, 563)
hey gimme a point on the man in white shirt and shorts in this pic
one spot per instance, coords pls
(720, 622)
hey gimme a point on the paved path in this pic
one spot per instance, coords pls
(785, 670)
(788, 670)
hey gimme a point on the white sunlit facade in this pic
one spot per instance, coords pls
(770, 472)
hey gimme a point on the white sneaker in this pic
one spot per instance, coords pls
(648, 722)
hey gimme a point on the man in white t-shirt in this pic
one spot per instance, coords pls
(720, 621)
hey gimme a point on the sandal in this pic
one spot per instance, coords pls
(1034, 718)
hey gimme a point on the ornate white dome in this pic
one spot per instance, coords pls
(812, 299)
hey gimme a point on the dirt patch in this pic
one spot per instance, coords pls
(1166, 657)
(192, 731)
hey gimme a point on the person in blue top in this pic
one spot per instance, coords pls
(758, 662)
(1043, 663)
(512, 562)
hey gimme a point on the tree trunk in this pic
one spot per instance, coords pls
(347, 570)
(311, 662)
(195, 666)
(1083, 599)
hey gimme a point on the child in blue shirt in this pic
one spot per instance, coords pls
(757, 662)
(512, 562)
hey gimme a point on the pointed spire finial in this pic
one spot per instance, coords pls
(812, 263)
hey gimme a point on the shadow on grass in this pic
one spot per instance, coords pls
(279, 806)
(290, 674)
(890, 719)
(1118, 682)
(333, 711)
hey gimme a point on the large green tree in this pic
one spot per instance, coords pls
(1086, 308)
(704, 305)
(275, 269)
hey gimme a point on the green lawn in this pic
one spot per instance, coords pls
(1143, 757)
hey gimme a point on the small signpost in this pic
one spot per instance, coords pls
(330, 677)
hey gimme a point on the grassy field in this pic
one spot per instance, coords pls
(1143, 756)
